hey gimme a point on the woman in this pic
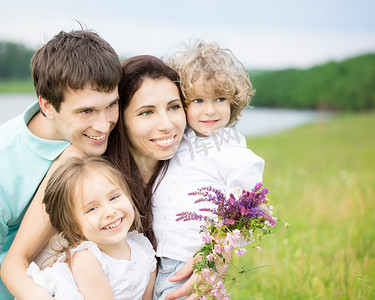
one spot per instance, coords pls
(148, 132)
(149, 129)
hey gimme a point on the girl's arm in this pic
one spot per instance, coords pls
(150, 287)
(89, 276)
(32, 236)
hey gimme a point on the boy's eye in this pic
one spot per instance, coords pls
(220, 99)
(91, 209)
(197, 101)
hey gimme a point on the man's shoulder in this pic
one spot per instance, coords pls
(10, 131)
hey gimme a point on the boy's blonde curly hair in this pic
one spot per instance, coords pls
(207, 61)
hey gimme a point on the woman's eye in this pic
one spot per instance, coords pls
(197, 101)
(175, 107)
(146, 113)
(220, 99)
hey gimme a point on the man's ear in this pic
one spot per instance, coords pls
(46, 108)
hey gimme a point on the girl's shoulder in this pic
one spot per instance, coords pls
(141, 249)
(136, 238)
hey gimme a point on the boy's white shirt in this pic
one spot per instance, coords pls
(221, 161)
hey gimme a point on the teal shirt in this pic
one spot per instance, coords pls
(24, 161)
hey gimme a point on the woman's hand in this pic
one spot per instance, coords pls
(187, 287)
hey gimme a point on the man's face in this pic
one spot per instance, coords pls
(86, 118)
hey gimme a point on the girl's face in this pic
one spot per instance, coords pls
(208, 112)
(103, 211)
(155, 121)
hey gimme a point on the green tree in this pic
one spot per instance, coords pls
(14, 61)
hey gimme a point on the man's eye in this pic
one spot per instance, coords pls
(113, 104)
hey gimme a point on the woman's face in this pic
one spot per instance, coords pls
(155, 121)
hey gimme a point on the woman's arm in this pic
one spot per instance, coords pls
(150, 287)
(32, 236)
(89, 276)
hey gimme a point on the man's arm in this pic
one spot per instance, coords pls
(32, 236)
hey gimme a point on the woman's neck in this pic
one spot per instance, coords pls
(146, 167)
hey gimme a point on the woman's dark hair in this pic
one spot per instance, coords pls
(134, 71)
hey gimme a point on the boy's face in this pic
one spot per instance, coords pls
(207, 112)
(86, 118)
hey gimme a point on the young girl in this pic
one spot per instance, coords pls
(89, 206)
(216, 89)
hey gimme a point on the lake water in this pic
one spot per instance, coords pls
(254, 122)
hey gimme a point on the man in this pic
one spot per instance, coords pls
(75, 76)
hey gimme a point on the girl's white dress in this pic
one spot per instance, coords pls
(128, 279)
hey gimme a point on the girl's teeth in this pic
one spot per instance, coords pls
(113, 225)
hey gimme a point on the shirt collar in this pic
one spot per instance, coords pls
(48, 149)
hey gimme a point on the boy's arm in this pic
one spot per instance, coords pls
(150, 287)
(32, 236)
(89, 276)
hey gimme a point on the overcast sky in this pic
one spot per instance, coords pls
(263, 34)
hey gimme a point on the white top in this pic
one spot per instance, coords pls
(128, 279)
(221, 161)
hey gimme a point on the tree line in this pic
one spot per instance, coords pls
(345, 85)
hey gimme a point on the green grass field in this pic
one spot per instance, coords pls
(17, 86)
(321, 179)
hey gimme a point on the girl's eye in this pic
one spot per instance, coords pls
(197, 101)
(220, 99)
(114, 197)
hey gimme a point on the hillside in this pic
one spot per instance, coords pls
(346, 85)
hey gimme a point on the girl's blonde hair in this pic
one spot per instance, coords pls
(64, 187)
(207, 61)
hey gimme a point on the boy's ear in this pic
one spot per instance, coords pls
(47, 109)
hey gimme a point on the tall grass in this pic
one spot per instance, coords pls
(321, 179)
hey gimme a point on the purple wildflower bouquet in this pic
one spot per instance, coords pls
(242, 218)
